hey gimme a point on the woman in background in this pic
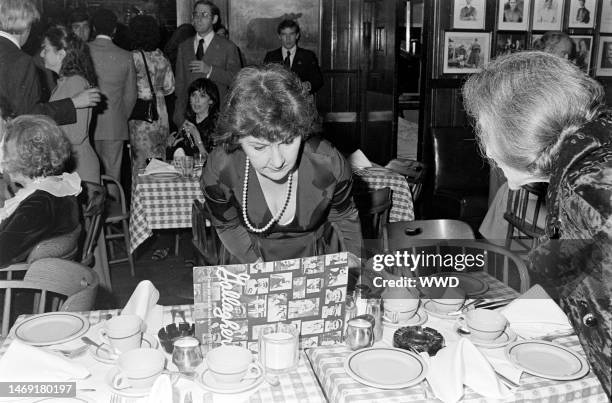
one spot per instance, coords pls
(566, 142)
(149, 139)
(196, 134)
(34, 153)
(68, 56)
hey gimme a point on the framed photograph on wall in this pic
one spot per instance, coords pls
(469, 14)
(513, 15)
(547, 15)
(605, 25)
(584, 46)
(582, 13)
(508, 43)
(604, 57)
(466, 52)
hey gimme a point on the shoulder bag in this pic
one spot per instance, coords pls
(146, 110)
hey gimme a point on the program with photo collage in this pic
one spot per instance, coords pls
(232, 302)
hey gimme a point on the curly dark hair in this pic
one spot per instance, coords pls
(78, 60)
(35, 146)
(210, 88)
(288, 24)
(268, 102)
(144, 33)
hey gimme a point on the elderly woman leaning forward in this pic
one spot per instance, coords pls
(34, 153)
(541, 119)
(274, 191)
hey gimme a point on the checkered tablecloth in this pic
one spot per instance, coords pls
(300, 386)
(339, 387)
(373, 178)
(161, 204)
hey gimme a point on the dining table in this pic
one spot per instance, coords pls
(161, 203)
(321, 375)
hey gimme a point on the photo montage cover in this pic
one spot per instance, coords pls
(232, 302)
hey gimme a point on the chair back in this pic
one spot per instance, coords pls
(208, 246)
(64, 246)
(116, 210)
(93, 208)
(499, 262)
(525, 208)
(415, 173)
(76, 282)
(373, 210)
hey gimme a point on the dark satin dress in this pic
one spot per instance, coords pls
(325, 221)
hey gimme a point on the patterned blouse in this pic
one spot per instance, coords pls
(574, 263)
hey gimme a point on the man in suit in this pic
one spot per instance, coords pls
(19, 78)
(302, 62)
(583, 15)
(117, 79)
(204, 55)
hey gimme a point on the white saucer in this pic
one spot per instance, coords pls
(208, 382)
(431, 309)
(507, 337)
(418, 319)
(104, 355)
(127, 392)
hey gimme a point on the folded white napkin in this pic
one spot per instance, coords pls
(143, 302)
(462, 364)
(24, 363)
(161, 391)
(358, 160)
(497, 358)
(535, 314)
(156, 166)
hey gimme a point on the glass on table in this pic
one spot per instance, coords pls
(187, 166)
(279, 348)
(187, 355)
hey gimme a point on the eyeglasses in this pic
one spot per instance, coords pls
(200, 16)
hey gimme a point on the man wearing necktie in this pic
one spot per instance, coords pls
(204, 55)
(301, 61)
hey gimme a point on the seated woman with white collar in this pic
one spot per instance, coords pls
(34, 153)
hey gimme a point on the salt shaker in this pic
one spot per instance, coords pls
(373, 308)
(351, 311)
(360, 298)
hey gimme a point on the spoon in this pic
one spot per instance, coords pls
(113, 352)
(272, 380)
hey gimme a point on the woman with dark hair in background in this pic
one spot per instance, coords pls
(196, 134)
(68, 56)
(150, 139)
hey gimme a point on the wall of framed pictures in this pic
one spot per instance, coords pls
(476, 30)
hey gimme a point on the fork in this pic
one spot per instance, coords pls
(71, 353)
(115, 398)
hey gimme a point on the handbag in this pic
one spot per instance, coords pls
(146, 110)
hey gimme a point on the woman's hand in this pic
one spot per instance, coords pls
(194, 135)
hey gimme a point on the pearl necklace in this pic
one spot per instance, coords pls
(245, 188)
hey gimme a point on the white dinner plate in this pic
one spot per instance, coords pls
(164, 176)
(386, 367)
(51, 328)
(472, 285)
(507, 337)
(207, 381)
(547, 360)
(418, 319)
(105, 356)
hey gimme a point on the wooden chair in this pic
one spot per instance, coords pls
(53, 277)
(414, 172)
(374, 210)
(93, 208)
(525, 206)
(116, 223)
(499, 262)
(208, 247)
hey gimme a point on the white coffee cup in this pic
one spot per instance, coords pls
(232, 364)
(484, 324)
(447, 300)
(139, 368)
(123, 332)
(400, 310)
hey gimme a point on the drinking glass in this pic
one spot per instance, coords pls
(187, 354)
(278, 348)
(188, 167)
